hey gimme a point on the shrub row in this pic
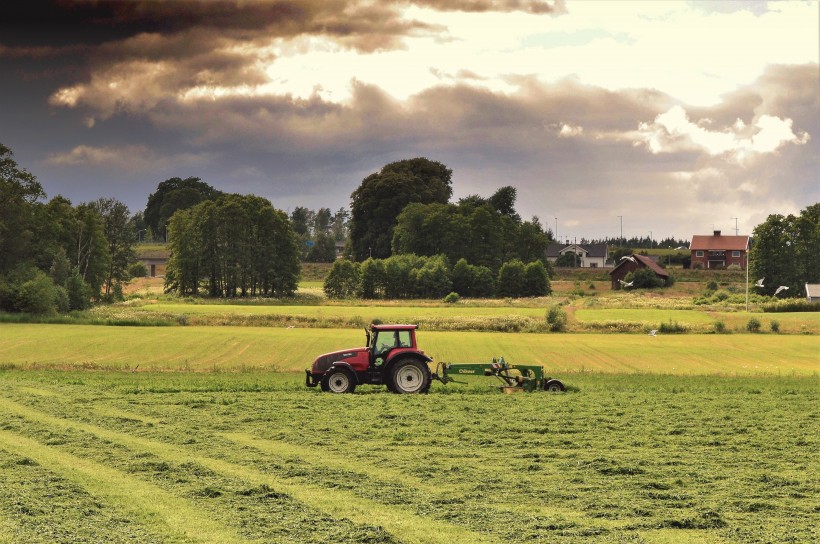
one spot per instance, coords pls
(412, 276)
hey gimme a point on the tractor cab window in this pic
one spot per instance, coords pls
(404, 339)
(383, 341)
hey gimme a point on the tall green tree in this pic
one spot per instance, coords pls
(171, 195)
(19, 193)
(377, 202)
(120, 235)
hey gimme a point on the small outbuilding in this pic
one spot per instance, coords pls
(631, 263)
(813, 292)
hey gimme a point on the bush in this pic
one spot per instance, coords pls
(433, 278)
(452, 298)
(37, 295)
(483, 282)
(536, 280)
(342, 280)
(753, 325)
(79, 292)
(511, 279)
(672, 327)
(644, 278)
(775, 326)
(138, 270)
(61, 299)
(557, 319)
(720, 327)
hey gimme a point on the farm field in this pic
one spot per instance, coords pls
(31, 346)
(254, 457)
(201, 430)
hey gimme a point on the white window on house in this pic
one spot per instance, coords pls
(699, 253)
(736, 254)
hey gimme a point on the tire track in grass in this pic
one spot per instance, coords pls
(147, 502)
(338, 461)
(399, 522)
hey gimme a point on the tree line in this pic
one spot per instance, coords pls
(57, 256)
(234, 246)
(408, 276)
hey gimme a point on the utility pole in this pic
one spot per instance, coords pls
(556, 229)
(621, 239)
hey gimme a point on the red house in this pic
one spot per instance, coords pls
(718, 251)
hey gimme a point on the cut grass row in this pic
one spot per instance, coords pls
(242, 348)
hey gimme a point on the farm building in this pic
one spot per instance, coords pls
(718, 251)
(632, 263)
(589, 255)
(813, 292)
(155, 261)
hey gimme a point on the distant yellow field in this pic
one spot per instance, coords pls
(235, 348)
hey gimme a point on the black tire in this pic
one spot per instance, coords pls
(409, 376)
(554, 386)
(338, 380)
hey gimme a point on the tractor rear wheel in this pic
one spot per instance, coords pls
(410, 376)
(338, 380)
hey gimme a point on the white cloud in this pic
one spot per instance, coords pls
(673, 131)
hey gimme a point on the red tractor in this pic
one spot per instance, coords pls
(391, 358)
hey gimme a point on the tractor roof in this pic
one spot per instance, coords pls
(393, 327)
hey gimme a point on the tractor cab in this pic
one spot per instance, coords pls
(385, 339)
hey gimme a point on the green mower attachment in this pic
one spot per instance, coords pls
(513, 378)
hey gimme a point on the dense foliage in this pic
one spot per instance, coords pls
(382, 196)
(412, 276)
(56, 256)
(786, 251)
(234, 246)
(171, 195)
(485, 232)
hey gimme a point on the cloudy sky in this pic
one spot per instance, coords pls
(677, 116)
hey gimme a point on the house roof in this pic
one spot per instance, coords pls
(649, 263)
(719, 242)
(593, 250)
(643, 261)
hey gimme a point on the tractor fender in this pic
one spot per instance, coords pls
(407, 355)
(347, 367)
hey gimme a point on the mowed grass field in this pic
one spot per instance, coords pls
(253, 457)
(31, 346)
(202, 430)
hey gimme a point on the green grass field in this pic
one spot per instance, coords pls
(253, 457)
(237, 348)
(202, 430)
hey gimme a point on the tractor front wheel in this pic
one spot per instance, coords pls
(338, 380)
(410, 376)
